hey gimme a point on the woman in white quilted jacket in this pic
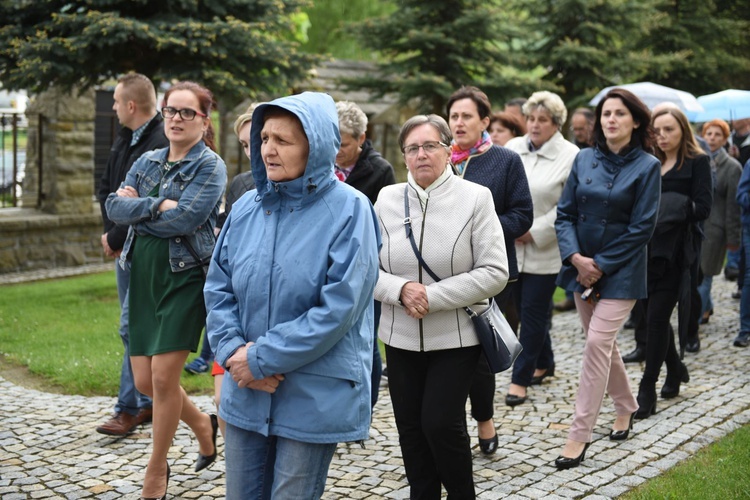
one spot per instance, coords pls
(431, 346)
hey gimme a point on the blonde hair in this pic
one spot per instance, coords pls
(245, 117)
(352, 120)
(550, 102)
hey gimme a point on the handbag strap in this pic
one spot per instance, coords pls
(193, 253)
(417, 253)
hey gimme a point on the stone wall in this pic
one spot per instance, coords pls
(61, 225)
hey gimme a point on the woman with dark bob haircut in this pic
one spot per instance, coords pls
(605, 218)
(501, 170)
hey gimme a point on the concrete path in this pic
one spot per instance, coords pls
(49, 448)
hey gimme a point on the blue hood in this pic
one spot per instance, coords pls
(320, 121)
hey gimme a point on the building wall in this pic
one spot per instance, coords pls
(59, 223)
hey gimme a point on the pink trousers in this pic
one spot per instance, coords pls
(603, 369)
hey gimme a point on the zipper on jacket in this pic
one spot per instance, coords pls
(421, 239)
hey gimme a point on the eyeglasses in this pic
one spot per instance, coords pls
(186, 114)
(428, 147)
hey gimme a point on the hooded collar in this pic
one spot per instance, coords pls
(320, 122)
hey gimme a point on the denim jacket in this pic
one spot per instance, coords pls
(196, 182)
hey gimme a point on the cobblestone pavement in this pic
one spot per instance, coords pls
(50, 449)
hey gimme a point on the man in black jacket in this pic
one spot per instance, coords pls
(142, 131)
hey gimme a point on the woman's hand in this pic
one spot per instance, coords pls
(167, 205)
(588, 272)
(127, 192)
(414, 299)
(525, 238)
(240, 371)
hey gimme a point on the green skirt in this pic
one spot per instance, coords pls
(167, 311)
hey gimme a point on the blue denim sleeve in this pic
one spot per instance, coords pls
(128, 211)
(195, 205)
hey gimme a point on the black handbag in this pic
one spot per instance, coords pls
(498, 340)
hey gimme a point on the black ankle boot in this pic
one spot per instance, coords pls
(671, 388)
(646, 402)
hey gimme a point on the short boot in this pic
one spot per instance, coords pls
(646, 401)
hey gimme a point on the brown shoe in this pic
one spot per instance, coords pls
(123, 423)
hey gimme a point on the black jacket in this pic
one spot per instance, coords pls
(121, 158)
(371, 173)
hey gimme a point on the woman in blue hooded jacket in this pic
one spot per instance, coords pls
(290, 300)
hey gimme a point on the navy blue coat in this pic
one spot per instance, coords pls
(608, 211)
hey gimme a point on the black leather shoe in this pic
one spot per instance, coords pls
(550, 372)
(638, 355)
(206, 460)
(693, 345)
(737, 294)
(742, 340)
(731, 273)
(646, 403)
(629, 324)
(622, 435)
(671, 388)
(488, 446)
(513, 400)
(563, 463)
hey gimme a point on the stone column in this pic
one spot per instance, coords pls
(67, 152)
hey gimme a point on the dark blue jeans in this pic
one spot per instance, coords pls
(533, 295)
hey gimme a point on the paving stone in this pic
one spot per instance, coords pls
(50, 449)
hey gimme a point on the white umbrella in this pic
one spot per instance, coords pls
(731, 104)
(652, 94)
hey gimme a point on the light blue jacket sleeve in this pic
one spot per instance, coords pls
(128, 211)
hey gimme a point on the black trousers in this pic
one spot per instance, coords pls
(429, 391)
(482, 392)
(664, 290)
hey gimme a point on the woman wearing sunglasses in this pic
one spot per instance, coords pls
(170, 199)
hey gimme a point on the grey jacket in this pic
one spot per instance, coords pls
(723, 225)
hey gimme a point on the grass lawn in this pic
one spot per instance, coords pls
(67, 332)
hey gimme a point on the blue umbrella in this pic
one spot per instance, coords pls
(727, 105)
(652, 94)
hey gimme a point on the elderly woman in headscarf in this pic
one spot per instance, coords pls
(290, 299)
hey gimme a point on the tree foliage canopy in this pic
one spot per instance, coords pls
(573, 47)
(237, 48)
(430, 49)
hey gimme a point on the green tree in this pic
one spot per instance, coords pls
(429, 49)
(328, 21)
(710, 43)
(584, 45)
(237, 48)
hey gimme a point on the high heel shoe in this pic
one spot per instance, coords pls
(163, 497)
(646, 403)
(488, 446)
(206, 460)
(550, 372)
(622, 435)
(671, 388)
(563, 463)
(513, 400)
